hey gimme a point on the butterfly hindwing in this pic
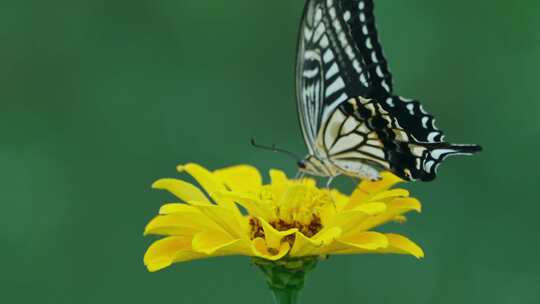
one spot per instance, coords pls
(361, 130)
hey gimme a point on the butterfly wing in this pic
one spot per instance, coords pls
(409, 114)
(347, 109)
(360, 19)
(362, 131)
(324, 75)
(414, 146)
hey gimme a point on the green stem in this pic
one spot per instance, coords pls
(286, 296)
(286, 277)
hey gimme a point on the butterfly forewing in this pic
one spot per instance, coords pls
(361, 22)
(329, 68)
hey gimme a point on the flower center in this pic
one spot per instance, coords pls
(309, 229)
(299, 206)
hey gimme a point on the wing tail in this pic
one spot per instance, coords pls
(436, 155)
(444, 150)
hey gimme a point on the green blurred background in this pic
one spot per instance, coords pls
(100, 98)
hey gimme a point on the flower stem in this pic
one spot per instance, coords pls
(286, 277)
(286, 296)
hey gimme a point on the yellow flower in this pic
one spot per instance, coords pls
(234, 213)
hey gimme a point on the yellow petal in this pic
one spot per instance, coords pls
(279, 183)
(400, 219)
(340, 200)
(242, 178)
(227, 219)
(327, 213)
(177, 207)
(367, 240)
(304, 246)
(405, 205)
(251, 203)
(164, 252)
(219, 243)
(294, 195)
(371, 208)
(396, 207)
(272, 236)
(184, 191)
(328, 235)
(310, 182)
(390, 194)
(179, 223)
(348, 220)
(363, 242)
(208, 181)
(402, 245)
(278, 177)
(260, 249)
(367, 187)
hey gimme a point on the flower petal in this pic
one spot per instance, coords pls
(278, 177)
(219, 243)
(304, 246)
(405, 205)
(177, 207)
(242, 178)
(184, 191)
(272, 236)
(352, 219)
(402, 245)
(179, 223)
(367, 187)
(382, 196)
(227, 219)
(260, 249)
(371, 208)
(166, 251)
(279, 183)
(367, 240)
(363, 242)
(400, 219)
(340, 200)
(329, 235)
(396, 207)
(209, 182)
(251, 203)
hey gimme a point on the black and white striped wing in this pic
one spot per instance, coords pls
(328, 66)
(360, 131)
(409, 114)
(360, 18)
(347, 108)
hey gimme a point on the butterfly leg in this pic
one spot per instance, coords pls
(329, 181)
(300, 175)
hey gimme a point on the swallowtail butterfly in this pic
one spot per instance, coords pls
(352, 122)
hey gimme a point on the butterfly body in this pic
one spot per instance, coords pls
(352, 122)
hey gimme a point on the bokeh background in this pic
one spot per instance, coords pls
(100, 98)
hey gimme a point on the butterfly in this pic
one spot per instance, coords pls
(352, 122)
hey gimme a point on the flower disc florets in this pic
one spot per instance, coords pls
(298, 208)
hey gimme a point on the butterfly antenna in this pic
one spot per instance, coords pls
(273, 148)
